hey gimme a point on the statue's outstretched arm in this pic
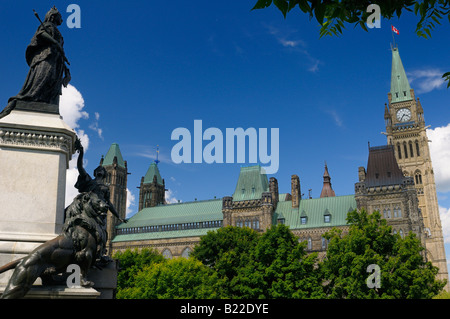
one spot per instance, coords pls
(80, 149)
(112, 209)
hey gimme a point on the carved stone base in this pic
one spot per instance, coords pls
(35, 150)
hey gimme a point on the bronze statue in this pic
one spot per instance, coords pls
(85, 183)
(82, 241)
(46, 59)
(76, 245)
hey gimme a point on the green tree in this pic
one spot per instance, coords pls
(403, 270)
(333, 15)
(251, 265)
(228, 251)
(132, 262)
(177, 278)
(285, 267)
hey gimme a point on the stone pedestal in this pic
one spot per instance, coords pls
(105, 280)
(59, 292)
(35, 150)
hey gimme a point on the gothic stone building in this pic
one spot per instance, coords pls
(398, 181)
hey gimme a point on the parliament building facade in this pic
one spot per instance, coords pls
(398, 182)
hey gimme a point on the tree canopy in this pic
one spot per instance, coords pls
(403, 271)
(234, 262)
(253, 265)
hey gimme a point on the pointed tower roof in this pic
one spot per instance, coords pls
(327, 190)
(151, 172)
(400, 89)
(382, 167)
(114, 151)
(251, 184)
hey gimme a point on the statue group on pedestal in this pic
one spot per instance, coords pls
(83, 238)
(82, 241)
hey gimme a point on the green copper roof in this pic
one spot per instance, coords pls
(164, 234)
(314, 210)
(114, 151)
(251, 184)
(152, 171)
(190, 212)
(400, 88)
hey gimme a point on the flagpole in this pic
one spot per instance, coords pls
(393, 38)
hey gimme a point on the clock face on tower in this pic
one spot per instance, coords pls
(403, 115)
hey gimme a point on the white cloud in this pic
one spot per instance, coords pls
(440, 156)
(94, 126)
(130, 203)
(71, 106)
(445, 222)
(336, 118)
(286, 39)
(426, 80)
(170, 198)
(291, 43)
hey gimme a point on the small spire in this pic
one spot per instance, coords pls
(386, 111)
(326, 174)
(157, 154)
(327, 190)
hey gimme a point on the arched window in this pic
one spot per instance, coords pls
(399, 151)
(255, 224)
(324, 243)
(309, 243)
(186, 252)
(167, 253)
(405, 149)
(417, 148)
(411, 149)
(401, 233)
(418, 177)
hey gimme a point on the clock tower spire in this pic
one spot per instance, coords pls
(406, 131)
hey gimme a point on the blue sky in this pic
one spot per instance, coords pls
(141, 69)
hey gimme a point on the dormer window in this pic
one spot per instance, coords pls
(327, 216)
(404, 93)
(303, 220)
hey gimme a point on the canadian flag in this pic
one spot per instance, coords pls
(395, 29)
